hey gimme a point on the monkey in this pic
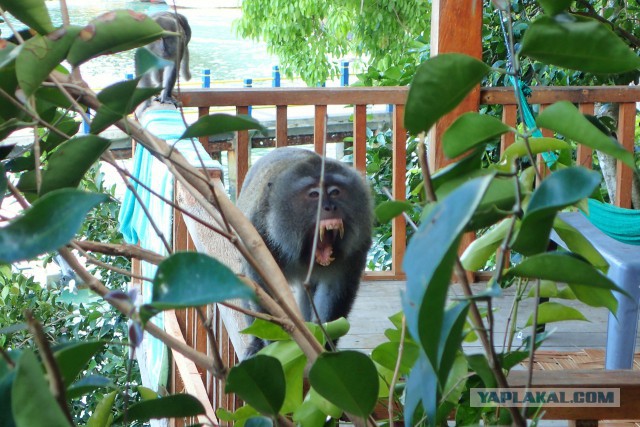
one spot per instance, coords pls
(171, 48)
(280, 197)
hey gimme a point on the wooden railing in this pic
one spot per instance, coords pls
(320, 99)
(199, 382)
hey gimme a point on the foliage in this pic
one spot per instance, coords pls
(434, 375)
(309, 36)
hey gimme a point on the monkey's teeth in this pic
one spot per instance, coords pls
(322, 230)
(341, 228)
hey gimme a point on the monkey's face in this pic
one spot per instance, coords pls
(343, 206)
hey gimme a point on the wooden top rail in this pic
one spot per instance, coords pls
(396, 95)
(293, 96)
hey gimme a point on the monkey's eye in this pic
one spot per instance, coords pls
(314, 194)
(334, 191)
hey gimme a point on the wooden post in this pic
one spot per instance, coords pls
(456, 26)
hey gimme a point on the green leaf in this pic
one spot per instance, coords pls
(348, 379)
(386, 354)
(191, 279)
(50, 223)
(40, 55)
(595, 297)
(429, 267)
(34, 13)
(553, 7)
(146, 393)
(293, 362)
(563, 267)
(6, 384)
(118, 100)
(266, 330)
(563, 117)
(102, 412)
(518, 150)
(451, 338)
(555, 312)
(221, 123)
(450, 177)
(439, 85)
(582, 44)
(390, 209)
(67, 165)
(561, 189)
(577, 243)
(146, 60)
(469, 130)
(112, 32)
(260, 382)
(32, 403)
(480, 250)
(88, 384)
(172, 406)
(73, 358)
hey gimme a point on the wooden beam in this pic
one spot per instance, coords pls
(243, 152)
(399, 188)
(626, 380)
(320, 129)
(626, 136)
(282, 139)
(456, 26)
(188, 371)
(360, 137)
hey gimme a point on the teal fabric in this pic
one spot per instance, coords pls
(522, 91)
(618, 223)
(136, 228)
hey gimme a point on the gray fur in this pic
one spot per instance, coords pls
(276, 198)
(171, 48)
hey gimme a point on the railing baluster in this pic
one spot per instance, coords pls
(360, 138)
(626, 136)
(243, 152)
(204, 140)
(282, 137)
(584, 154)
(320, 128)
(399, 188)
(510, 118)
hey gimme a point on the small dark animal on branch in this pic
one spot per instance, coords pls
(280, 197)
(173, 48)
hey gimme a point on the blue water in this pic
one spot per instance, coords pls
(214, 44)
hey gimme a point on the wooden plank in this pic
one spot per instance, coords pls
(320, 128)
(282, 139)
(627, 381)
(224, 97)
(510, 118)
(626, 136)
(242, 150)
(360, 137)
(399, 188)
(188, 371)
(575, 94)
(584, 154)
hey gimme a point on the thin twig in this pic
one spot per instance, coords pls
(110, 267)
(396, 371)
(123, 249)
(218, 367)
(56, 383)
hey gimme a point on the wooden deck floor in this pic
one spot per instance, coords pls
(378, 300)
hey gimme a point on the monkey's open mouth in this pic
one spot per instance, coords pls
(330, 230)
